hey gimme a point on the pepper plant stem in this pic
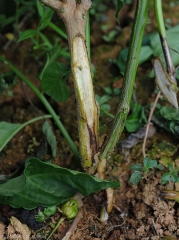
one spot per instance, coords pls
(46, 104)
(74, 14)
(140, 21)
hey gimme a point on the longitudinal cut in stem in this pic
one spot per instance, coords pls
(74, 16)
(140, 21)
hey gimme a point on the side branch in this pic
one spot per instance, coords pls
(140, 21)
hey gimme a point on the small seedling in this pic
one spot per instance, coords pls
(171, 176)
(140, 171)
(47, 212)
(70, 209)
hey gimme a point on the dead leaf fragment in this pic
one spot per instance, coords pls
(2, 230)
(17, 230)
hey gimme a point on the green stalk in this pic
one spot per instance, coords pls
(56, 227)
(57, 29)
(163, 39)
(159, 18)
(46, 104)
(87, 35)
(140, 21)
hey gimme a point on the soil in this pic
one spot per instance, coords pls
(140, 211)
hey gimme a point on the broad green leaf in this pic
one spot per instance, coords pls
(149, 163)
(135, 177)
(47, 130)
(136, 167)
(48, 185)
(27, 34)
(12, 187)
(54, 81)
(7, 131)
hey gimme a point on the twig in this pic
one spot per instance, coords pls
(74, 224)
(148, 123)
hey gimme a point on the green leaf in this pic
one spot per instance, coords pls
(149, 163)
(45, 19)
(54, 81)
(103, 99)
(136, 119)
(27, 34)
(51, 56)
(48, 185)
(40, 7)
(13, 186)
(136, 167)
(145, 54)
(169, 113)
(7, 131)
(120, 4)
(160, 166)
(50, 211)
(47, 130)
(167, 177)
(135, 177)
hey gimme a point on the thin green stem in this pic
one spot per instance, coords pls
(57, 29)
(18, 127)
(87, 35)
(140, 21)
(163, 39)
(56, 227)
(159, 18)
(107, 113)
(46, 104)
